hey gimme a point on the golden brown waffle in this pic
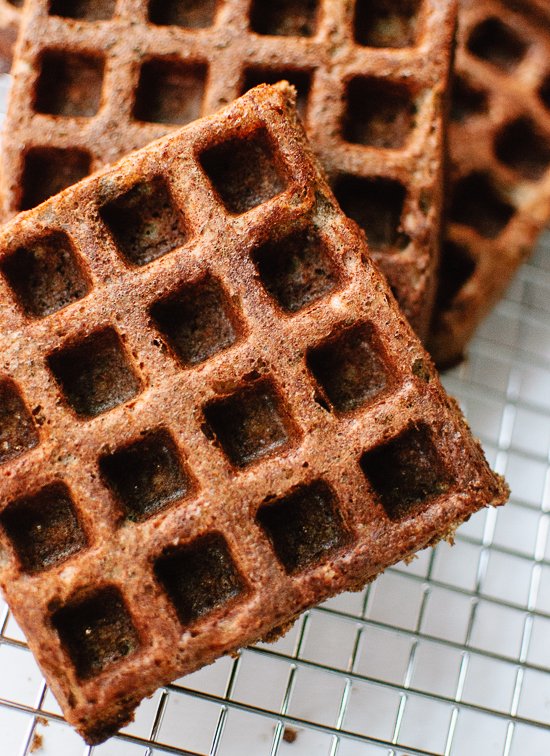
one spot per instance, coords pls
(10, 17)
(88, 91)
(499, 199)
(214, 413)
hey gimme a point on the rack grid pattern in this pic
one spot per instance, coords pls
(446, 656)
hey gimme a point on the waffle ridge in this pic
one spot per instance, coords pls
(499, 176)
(181, 65)
(205, 501)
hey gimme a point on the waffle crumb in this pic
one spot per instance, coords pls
(37, 743)
(290, 735)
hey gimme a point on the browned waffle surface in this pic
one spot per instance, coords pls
(213, 413)
(10, 17)
(372, 77)
(499, 198)
(540, 7)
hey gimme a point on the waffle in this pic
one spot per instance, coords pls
(10, 17)
(214, 413)
(374, 113)
(541, 10)
(500, 162)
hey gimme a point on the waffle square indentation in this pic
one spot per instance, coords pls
(376, 205)
(299, 78)
(146, 476)
(170, 91)
(86, 10)
(379, 113)
(96, 631)
(49, 170)
(544, 92)
(297, 269)
(523, 147)
(386, 23)
(197, 321)
(457, 267)
(286, 18)
(497, 43)
(191, 14)
(245, 172)
(467, 100)
(407, 472)
(200, 578)
(349, 368)
(69, 84)
(251, 423)
(145, 222)
(17, 430)
(305, 527)
(45, 274)
(95, 373)
(44, 528)
(477, 202)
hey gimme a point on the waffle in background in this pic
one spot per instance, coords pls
(542, 7)
(10, 17)
(499, 198)
(372, 86)
(213, 413)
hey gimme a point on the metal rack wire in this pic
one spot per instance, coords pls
(446, 656)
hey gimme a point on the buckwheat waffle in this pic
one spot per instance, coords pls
(499, 200)
(372, 83)
(216, 415)
(10, 17)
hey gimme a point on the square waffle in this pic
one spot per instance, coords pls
(499, 196)
(96, 79)
(213, 413)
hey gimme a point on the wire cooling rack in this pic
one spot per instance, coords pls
(449, 655)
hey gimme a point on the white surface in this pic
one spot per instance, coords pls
(447, 656)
